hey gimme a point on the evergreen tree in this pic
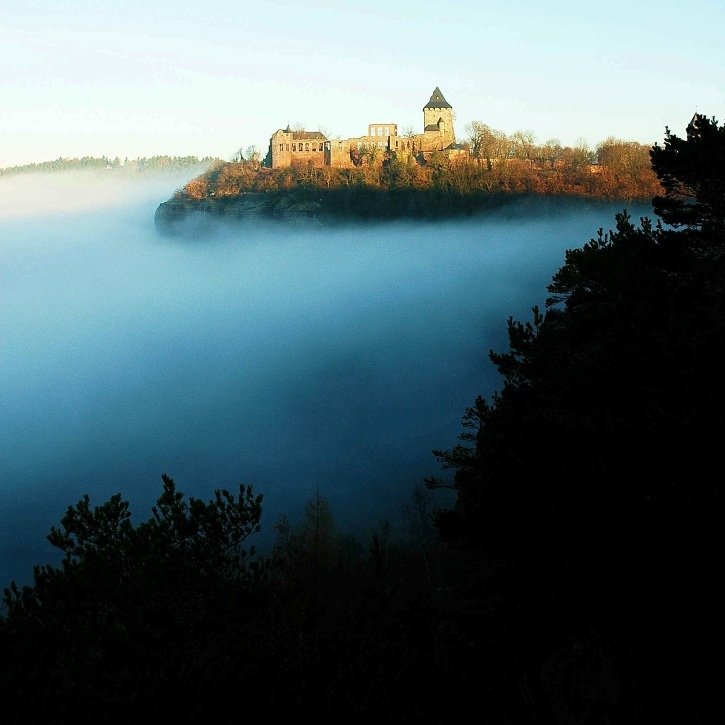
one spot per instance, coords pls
(143, 619)
(596, 472)
(692, 172)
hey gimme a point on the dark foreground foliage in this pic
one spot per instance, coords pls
(174, 620)
(576, 580)
(595, 478)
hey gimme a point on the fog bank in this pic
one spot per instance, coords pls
(292, 359)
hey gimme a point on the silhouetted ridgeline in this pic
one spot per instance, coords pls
(402, 189)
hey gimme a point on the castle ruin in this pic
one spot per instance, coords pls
(288, 147)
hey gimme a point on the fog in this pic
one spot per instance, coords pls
(292, 358)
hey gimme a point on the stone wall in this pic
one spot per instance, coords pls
(339, 154)
(297, 147)
(438, 125)
(300, 147)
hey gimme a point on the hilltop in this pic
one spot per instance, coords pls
(385, 186)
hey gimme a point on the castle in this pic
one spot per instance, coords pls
(288, 147)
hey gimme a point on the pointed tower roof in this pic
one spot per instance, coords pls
(437, 100)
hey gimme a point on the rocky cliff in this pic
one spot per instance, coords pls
(185, 217)
(305, 206)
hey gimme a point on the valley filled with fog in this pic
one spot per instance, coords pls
(293, 358)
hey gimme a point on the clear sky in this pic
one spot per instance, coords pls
(181, 77)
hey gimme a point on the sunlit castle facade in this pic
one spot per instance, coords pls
(288, 147)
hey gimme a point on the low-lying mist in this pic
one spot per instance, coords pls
(294, 359)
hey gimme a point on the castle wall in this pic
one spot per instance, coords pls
(395, 144)
(431, 117)
(281, 146)
(316, 157)
(299, 147)
(438, 129)
(339, 153)
(383, 129)
(402, 146)
(361, 143)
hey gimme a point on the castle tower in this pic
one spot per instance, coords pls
(438, 121)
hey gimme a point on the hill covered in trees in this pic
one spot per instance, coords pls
(575, 580)
(385, 185)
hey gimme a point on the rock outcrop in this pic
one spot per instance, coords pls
(188, 218)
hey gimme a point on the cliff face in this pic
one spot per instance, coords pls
(312, 206)
(308, 206)
(184, 217)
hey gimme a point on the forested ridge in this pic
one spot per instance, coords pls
(124, 167)
(575, 580)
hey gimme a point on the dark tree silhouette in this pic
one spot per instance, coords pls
(135, 616)
(596, 475)
(692, 173)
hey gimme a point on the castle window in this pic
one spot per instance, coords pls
(294, 147)
(287, 145)
(307, 147)
(281, 147)
(387, 130)
(321, 146)
(396, 144)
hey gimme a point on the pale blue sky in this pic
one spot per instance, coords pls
(148, 77)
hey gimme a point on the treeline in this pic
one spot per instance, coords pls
(622, 168)
(614, 170)
(143, 165)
